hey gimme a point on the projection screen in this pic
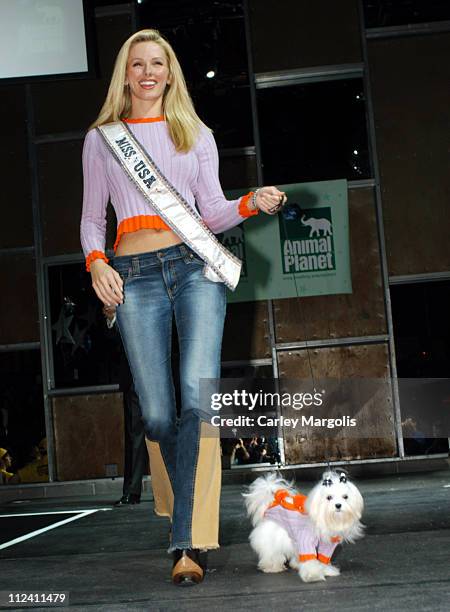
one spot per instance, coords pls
(42, 38)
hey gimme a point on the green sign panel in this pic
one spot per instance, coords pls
(304, 250)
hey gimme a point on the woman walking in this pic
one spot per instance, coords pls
(155, 160)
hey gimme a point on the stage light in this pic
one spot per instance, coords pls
(210, 74)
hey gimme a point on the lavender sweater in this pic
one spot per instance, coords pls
(301, 531)
(194, 174)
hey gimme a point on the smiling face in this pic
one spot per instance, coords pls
(147, 72)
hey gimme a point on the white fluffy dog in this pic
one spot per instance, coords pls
(300, 530)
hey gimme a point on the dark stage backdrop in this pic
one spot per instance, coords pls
(301, 91)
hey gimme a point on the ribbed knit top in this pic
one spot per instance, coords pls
(194, 174)
(300, 528)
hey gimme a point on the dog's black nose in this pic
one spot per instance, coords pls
(338, 506)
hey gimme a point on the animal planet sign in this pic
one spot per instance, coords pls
(302, 251)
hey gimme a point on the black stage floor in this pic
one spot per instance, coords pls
(115, 559)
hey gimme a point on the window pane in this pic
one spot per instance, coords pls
(422, 329)
(19, 316)
(225, 107)
(57, 185)
(22, 422)
(78, 421)
(384, 13)
(209, 39)
(204, 34)
(410, 80)
(237, 171)
(85, 352)
(16, 229)
(422, 350)
(313, 132)
(306, 34)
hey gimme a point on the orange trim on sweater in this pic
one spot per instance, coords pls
(323, 558)
(145, 119)
(298, 501)
(303, 558)
(244, 210)
(93, 255)
(133, 224)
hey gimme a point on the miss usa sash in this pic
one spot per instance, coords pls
(221, 265)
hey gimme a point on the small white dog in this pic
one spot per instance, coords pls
(303, 530)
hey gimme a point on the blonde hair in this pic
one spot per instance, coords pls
(178, 108)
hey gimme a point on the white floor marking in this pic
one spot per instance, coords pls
(53, 512)
(32, 534)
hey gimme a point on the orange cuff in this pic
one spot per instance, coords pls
(323, 559)
(93, 255)
(303, 558)
(244, 210)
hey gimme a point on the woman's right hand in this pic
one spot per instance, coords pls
(107, 283)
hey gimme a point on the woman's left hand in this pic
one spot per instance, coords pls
(270, 200)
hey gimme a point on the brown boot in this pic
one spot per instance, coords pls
(189, 566)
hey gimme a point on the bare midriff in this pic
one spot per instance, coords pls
(145, 240)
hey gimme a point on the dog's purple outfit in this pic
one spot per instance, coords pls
(293, 518)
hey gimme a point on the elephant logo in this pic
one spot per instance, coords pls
(317, 225)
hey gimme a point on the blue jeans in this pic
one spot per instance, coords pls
(184, 453)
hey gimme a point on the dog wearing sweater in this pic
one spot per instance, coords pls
(301, 531)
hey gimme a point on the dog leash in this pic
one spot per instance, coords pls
(297, 292)
(302, 316)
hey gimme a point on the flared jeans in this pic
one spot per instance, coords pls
(184, 451)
